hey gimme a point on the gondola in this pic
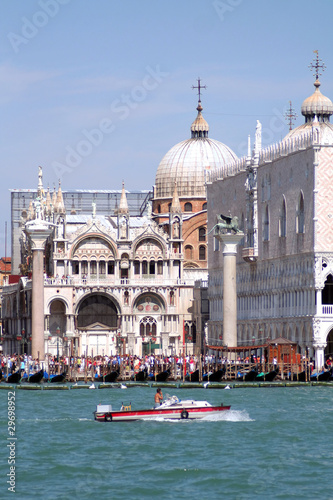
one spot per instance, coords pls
(35, 378)
(54, 379)
(300, 377)
(141, 376)
(247, 376)
(323, 376)
(160, 377)
(213, 376)
(266, 377)
(109, 377)
(193, 377)
(14, 378)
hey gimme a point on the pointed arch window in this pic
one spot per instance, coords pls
(300, 215)
(266, 225)
(268, 187)
(283, 219)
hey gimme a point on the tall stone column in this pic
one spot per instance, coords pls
(38, 230)
(230, 242)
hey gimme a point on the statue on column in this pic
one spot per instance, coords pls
(226, 222)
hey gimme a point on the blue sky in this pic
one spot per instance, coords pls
(98, 91)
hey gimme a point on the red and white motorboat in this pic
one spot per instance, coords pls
(172, 408)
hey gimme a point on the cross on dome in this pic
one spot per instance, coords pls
(199, 87)
(316, 65)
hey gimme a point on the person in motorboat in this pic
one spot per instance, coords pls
(158, 397)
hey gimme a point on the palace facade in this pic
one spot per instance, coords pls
(282, 196)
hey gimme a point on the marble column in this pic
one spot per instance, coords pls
(38, 231)
(230, 242)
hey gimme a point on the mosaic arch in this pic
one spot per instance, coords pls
(148, 247)
(97, 308)
(149, 303)
(93, 245)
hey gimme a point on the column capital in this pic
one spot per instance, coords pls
(230, 242)
(38, 232)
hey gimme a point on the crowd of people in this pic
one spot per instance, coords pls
(100, 365)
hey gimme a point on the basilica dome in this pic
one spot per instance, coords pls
(317, 110)
(185, 164)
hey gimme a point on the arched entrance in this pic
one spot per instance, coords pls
(97, 322)
(97, 309)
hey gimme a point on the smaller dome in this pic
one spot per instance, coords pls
(317, 104)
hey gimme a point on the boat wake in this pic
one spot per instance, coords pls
(230, 416)
(224, 416)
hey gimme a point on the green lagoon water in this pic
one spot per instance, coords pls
(275, 443)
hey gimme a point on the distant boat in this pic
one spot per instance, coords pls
(35, 378)
(141, 376)
(193, 377)
(54, 379)
(300, 377)
(161, 377)
(266, 377)
(14, 378)
(109, 377)
(213, 376)
(321, 376)
(248, 376)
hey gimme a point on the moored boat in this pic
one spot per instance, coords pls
(193, 377)
(213, 376)
(298, 377)
(109, 377)
(323, 376)
(54, 379)
(14, 378)
(248, 376)
(36, 378)
(141, 375)
(172, 408)
(161, 377)
(266, 377)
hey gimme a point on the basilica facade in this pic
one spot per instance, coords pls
(118, 271)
